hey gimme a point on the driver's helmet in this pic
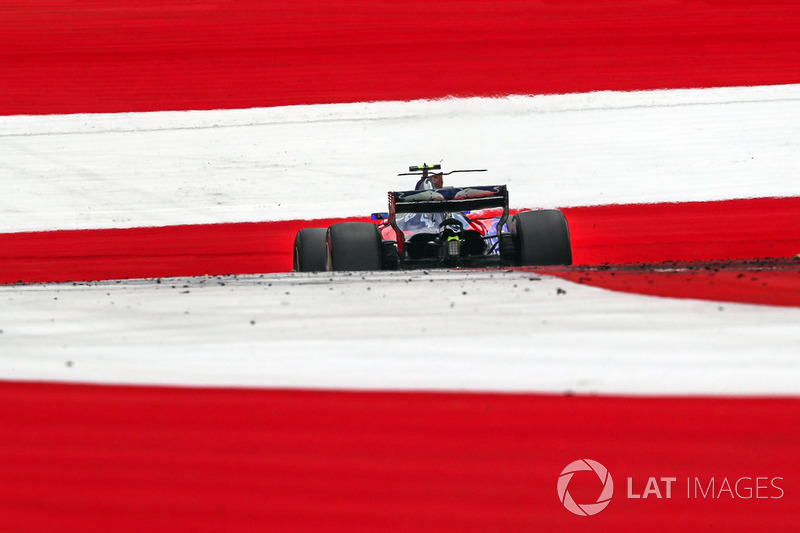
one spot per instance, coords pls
(435, 181)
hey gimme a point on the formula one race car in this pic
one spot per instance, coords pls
(437, 226)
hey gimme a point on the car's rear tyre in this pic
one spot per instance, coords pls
(354, 246)
(542, 237)
(310, 250)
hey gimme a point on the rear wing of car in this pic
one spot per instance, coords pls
(451, 199)
(447, 200)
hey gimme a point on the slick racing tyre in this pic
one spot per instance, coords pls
(310, 250)
(354, 246)
(542, 237)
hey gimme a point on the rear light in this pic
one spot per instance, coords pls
(453, 246)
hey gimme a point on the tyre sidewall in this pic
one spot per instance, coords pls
(542, 238)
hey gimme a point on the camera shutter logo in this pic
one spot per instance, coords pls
(585, 509)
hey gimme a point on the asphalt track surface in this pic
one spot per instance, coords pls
(92, 458)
